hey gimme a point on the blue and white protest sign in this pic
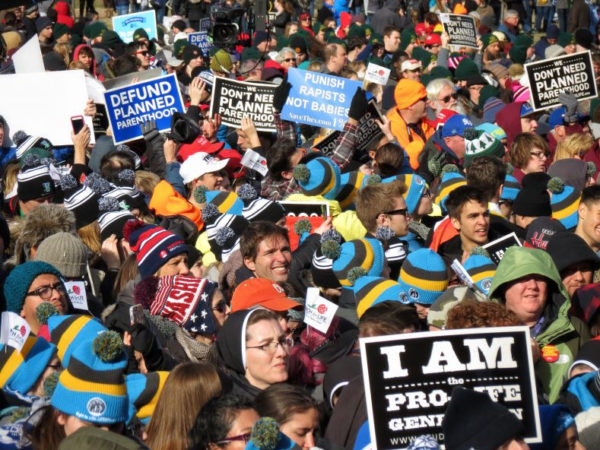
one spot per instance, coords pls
(205, 24)
(126, 24)
(202, 40)
(130, 106)
(318, 99)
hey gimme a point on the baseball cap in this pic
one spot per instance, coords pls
(557, 117)
(410, 64)
(199, 164)
(526, 110)
(456, 125)
(433, 39)
(261, 292)
(442, 117)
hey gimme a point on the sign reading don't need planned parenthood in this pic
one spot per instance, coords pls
(130, 106)
(318, 99)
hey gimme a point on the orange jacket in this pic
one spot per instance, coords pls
(166, 202)
(411, 142)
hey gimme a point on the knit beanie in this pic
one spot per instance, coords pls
(322, 265)
(191, 52)
(510, 188)
(81, 200)
(224, 234)
(37, 146)
(20, 278)
(257, 208)
(35, 183)
(574, 172)
(226, 202)
(474, 420)
(92, 387)
(565, 39)
(488, 39)
(59, 30)
(140, 33)
(20, 370)
(415, 188)
(423, 277)
(67, 331)
(481, 269)
(153, 246)
(41, 23)
(533, 199)
(113, 222)
(440, 72)
(66, 252)
(487, 92)
(319, 176)
(451, 179)
(567, 249)
(185, 300)
(518, 54)
(350, 184)
(143, 391)
(221, 62)
(490, 109)
(356, 258)
(466, 69)
(369, 291)
(564, 201)
(492, 129)
(479, 143)
(94, 29)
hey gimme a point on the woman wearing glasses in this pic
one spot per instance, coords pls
(528, 154)
(30, 284)
(254, 350)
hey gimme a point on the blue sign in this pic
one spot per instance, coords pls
(205, 24)
(318, 99)
(130, 106)
(202, 40)
(126, 24)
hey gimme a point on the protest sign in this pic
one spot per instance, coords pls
(409, 379)
(233, 100)
(253, 160)
(205, 24)
(129, 107)
(202, 40)
(318, 99)
(570, 73)
(28, 59)
(14, 330)
(369, 132)
(318, 311)
(497, 248)
(315, 212)
(77, 294)
(328, 144)
(377, 74)
(461, 30)
(126, 24)
(41, 107)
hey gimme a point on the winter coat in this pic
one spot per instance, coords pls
(387, 16)
(579, 16)
(409, 140)
(509, 119)
(559, 329)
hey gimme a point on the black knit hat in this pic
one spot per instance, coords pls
(473, 420)
(35, 183)
(81, 200)
(533, 200)
(257, 208)
(567, 249)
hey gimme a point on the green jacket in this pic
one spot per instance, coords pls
(564, 332)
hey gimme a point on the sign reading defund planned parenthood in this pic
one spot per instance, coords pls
(233, 100)
(461, 30)
(318, 99)
(130, 106)
(409, 379)
(570, 73)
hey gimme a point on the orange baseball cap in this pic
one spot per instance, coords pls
(261, 292)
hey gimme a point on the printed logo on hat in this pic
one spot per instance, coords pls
(46, 187)
(419, 181)
(404, 298)
(96, 406)
(163, 254)
(486, 284)
(414, 294)
(123, 205)
(278, 288)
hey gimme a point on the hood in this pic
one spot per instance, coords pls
(394, 5)
(167, 202)
(61, 8)
(509, 119)
(231, 340)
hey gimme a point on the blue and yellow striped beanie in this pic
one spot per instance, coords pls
(423, 277)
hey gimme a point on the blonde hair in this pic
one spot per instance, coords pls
(76, 65)
(10, 177)
(574, 146)
(146, 181)
(188, 387)
(64, 50)
(90, 236)
(375, 199)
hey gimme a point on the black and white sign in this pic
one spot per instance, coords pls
(461, 30)
(328, 145)
(409, 379)
(570, 73)
(497, 248)
(233, 100)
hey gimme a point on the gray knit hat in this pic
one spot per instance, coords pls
(66, 252)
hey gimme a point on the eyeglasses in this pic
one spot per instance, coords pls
(538, 155)
(290, 59)
(221, 307)
(241, 437)
(45, 292)
(270, 347)
(142, 52)
(397, 212)
(447, 98)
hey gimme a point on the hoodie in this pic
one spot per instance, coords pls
(566, 333)
(62, 13)
(509, 119)
(94, 68)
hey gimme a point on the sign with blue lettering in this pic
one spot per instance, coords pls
(202, 40)
(130, 106)
(126, 24)
(318, 99)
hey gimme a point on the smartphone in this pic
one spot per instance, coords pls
(77, 123)
(136, 315)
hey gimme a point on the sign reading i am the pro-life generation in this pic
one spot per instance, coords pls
(130, 106)
(461, 30)
(570, 73)
(126, 24)
(409, 379)
(233, 100)
(318, 99)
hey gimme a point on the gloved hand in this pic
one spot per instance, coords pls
(570, 103)
(144, 341)
(281, 94)
(149, 130)
(358, 106)
(430, 166)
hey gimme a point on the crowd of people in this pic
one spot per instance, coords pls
(165, 285)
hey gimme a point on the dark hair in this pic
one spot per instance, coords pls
(590, 194)
(474, 314)
(134, 46)
(47, 433)
(355, 42)
(389, 158)
(387, 31)
(125, 64)
(486, 173)
(278, 157)
(113, 162)
(460, 196)
(389, 317)
(281, 401)
(215, 419)
(256, 233)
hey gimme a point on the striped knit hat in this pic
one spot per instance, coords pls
(129, 198)
(67, 331)
(322, 265)
(350, 184)
(423, 277)
(143, 391)
(416, 187)
(564, 202)
(20, 370)
(257, 208)
(224, 235)
(81, 200)
(113, 222)
(92, 387)
(226, 202)
(481, 268)
(319, 176)
(451, 179)
(370, 291)
(357, 258)
(153, 245)
(480, 143)
(510, 188)
(35, 183)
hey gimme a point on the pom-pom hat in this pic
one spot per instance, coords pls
(423, 277)
(416, 187)
(319, 176)
(224, 235)
(143, 391)
(564, 201)
(481, 269)
(257, 208)
(369, 291)
(66, 332)
(366, 254)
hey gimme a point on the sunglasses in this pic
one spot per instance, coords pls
(397, 212)
(290, 59)
(447, 98)
(142, 52)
